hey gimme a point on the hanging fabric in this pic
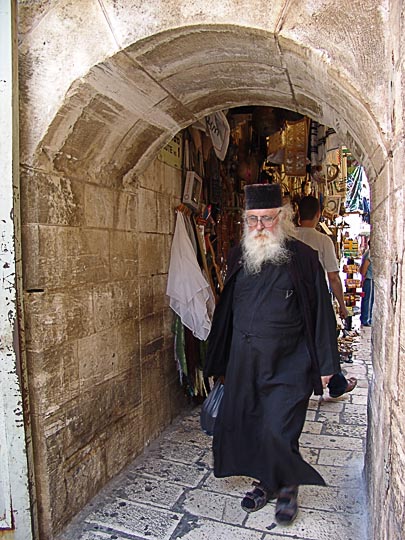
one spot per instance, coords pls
(354, 201)
(189, 292)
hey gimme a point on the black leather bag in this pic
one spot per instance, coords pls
(210, 407)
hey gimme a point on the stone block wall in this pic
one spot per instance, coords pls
(386, 431)
(102, 88)
(102, 378)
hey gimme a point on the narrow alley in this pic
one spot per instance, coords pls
(170, 492)
(133, 129)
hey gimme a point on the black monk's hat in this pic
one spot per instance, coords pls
(263, 196)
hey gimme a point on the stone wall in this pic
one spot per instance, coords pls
(104, 84)
(102, 378)
(385, 462)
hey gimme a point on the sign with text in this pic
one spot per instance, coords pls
(172, 153)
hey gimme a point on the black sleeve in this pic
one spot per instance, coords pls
(325, 328)
(220, 337)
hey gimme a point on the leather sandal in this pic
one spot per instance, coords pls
(257, 498)
(287, 505)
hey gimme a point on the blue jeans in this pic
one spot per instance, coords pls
(366, 308)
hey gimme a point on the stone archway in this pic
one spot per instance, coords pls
(153, 88)
(94, 263)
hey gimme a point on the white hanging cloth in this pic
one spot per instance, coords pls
(190, 293)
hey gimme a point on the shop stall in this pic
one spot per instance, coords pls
(220, 155)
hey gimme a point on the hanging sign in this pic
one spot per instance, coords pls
(217, 127)
(172, 153)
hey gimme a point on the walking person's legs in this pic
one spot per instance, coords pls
(365, 316)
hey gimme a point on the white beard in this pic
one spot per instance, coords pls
(267, 245)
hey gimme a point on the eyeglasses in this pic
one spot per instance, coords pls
(266, 221)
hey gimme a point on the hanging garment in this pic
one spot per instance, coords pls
(179, 347)
(354, 201)
(190, 294)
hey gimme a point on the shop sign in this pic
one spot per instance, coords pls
(172, 153)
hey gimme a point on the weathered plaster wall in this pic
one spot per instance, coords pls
(104, 84)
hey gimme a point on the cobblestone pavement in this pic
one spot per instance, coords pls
(170, 492)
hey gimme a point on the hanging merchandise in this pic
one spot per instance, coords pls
(189, 354)
(354, 201)
(179, 347)
(314, 143)
(195, 158)
(218, 129)
(296, 147)
(214, 188)
(190, 294)
(221, 154)
(192, 190)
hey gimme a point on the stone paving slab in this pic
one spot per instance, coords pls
(355, 418)
(191, 435)
(100, 535)
(359, 400)
(323, 415)
(327, 441)
(213, 530)
(310, 454)
(178, 473)
(361, 391)
(332, 499)
(356, 409)
(234, 485)
(208, 459)
(137, 488)
(339, 458)
(334, 406)
(310, 525)
(170, 491)
(313, 427)
(215, 506)
(144, 521)
(310, 415)
(338, 476)
(344, 430)
(184, 453)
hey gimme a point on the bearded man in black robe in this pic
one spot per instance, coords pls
(273, 335)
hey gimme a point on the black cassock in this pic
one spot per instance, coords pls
(268, 384)
(273, 335)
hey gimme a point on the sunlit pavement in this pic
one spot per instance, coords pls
(170, 492)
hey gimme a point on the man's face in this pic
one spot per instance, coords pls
(262, 223)
(264, 238)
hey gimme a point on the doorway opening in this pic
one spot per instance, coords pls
(230, 149)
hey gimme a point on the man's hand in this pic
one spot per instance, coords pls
(337, 289)
(343, 312)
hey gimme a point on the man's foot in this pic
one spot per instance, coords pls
(257, 498)
(287, 505)
(351, 384)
